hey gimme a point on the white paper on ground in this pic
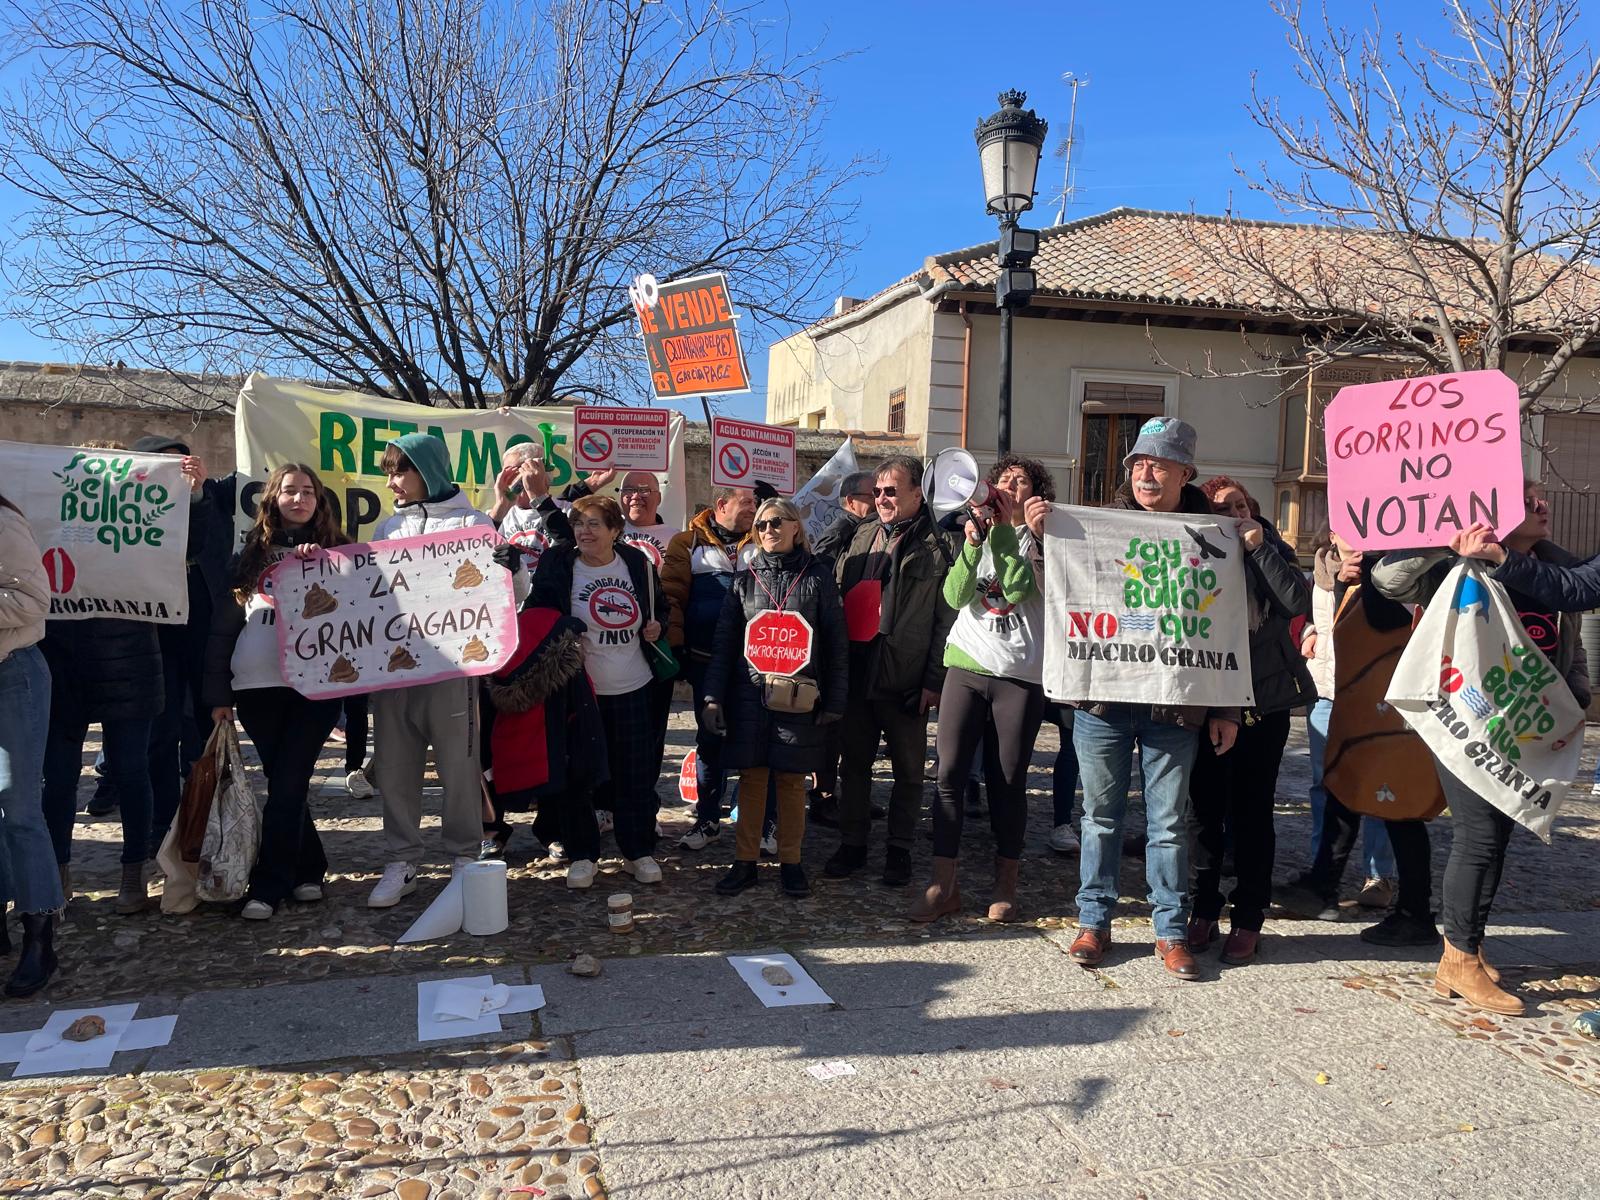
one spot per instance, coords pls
(49, 1053)
(431, 1028)
(524, 999)
(468, 1002)
(441, 918)
(14, 1045)
(804, 989)
(830, 1070)
(147, 1033)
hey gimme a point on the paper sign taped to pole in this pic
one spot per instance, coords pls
(1413, 462)
(1145, 608)
(744, 453)
(627, 439)
(691, 336)
(371, 616)
(112, 527)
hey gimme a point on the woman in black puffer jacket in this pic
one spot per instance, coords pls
(1234, 792)
(784, 576)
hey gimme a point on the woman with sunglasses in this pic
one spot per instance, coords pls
(993, 694)
(774, 724)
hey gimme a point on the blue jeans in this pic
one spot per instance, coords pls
(29, 859)
(1375, 849)
(1105, 746)
(127, 747)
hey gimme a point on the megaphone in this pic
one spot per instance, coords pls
(954, 482)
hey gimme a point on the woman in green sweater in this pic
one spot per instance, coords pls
(993, 694)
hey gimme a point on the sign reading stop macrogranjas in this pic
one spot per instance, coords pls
(777, 643)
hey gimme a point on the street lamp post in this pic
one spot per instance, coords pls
(1009, 143)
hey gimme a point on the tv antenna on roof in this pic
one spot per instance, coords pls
(1065, 149)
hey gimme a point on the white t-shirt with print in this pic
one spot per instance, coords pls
(650, 540)
(1001, 637)
(603, 599)
(527, 529)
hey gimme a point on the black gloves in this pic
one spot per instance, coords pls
(507, 555)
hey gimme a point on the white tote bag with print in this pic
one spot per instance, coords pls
(1488, 702)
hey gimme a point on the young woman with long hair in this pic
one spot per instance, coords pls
(24, 714)
(243, 675)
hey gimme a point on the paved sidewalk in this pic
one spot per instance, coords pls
(984, 1066)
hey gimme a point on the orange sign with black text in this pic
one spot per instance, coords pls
(691, 336)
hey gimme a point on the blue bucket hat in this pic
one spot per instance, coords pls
(1165, 437)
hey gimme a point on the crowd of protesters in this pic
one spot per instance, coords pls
(909, 616)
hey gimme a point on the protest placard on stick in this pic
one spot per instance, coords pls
(1412, 462)
(627, 439)
(745, 453)
(1145, 608)
(371, 616)
(112, 526)
(691, 336)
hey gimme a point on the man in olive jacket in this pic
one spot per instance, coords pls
(892, 582)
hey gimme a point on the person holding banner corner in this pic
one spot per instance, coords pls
(1549, 588)
(443, 714)
(1160, 468)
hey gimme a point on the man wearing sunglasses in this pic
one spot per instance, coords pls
(892, 581)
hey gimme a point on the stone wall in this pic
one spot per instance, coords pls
(209, 435)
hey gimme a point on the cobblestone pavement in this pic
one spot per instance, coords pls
(436, 1124)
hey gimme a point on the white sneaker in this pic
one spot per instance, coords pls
(602, 817)
(769, 842)
(701, 835)
(581, 874)
(643, 870)
(308, 893)
(256, 910)
(399, 879)
(358, 785)
(1064, 839)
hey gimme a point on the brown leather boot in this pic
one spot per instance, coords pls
(943, 896)
(1494, 976)
(1003, 903)
(1461, 974)
(132, 897)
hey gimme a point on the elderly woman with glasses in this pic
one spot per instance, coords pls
(778, 676)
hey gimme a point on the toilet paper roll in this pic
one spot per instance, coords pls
(483, 898)
(441, 918)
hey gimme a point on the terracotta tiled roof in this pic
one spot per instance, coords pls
(1159, 258)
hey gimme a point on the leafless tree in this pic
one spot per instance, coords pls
(1453, 193)
(424, 198)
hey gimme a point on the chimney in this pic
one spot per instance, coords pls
(844, 304)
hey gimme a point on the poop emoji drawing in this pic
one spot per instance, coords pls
(343, 671)
(400, 660)
(467, 576)
(474, 651)
(319, 602)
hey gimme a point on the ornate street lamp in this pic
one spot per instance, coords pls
(1009, 143)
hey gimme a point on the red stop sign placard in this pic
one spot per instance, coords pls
(777, 643)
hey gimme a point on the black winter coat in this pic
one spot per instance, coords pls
(1279, 676)
(103, 669)
(756, 736)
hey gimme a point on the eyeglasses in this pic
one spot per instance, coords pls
(889, 491)
(636, 491)
(771, 523)
(593, 525)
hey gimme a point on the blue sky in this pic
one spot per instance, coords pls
(1160, 124)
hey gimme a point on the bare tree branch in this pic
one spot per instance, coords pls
(432, 199)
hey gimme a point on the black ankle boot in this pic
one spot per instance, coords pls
(793, 878)
(742, 875)
(5, 933)
(38, 961)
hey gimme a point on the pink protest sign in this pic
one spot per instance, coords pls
(1412, 462)
(377, 615)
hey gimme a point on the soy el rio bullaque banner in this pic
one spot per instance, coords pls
(112, 526)
(1145, 608)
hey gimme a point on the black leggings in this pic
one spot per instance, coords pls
(355, 732)
(288, 731)
(1413, 866)
(1477, 857)
(1235, 791)
(1003, 715)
